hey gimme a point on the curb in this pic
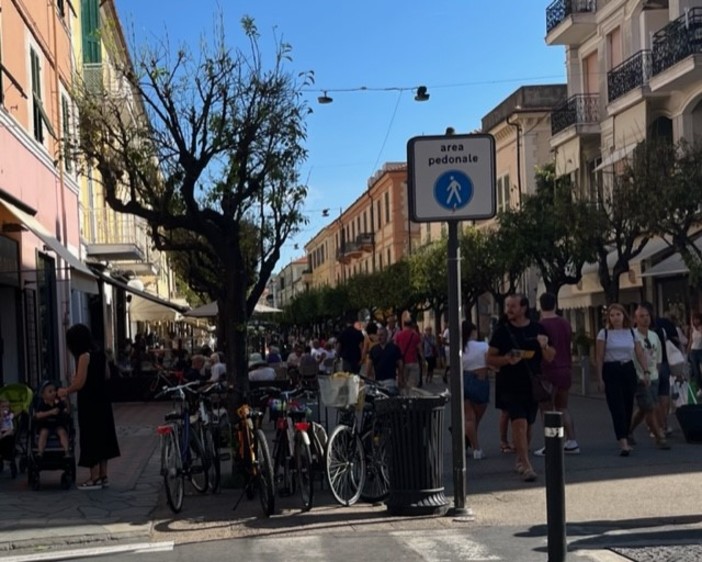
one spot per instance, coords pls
(89, 539)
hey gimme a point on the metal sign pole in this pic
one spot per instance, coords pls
(456, 374)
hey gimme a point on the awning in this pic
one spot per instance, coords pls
(674, 265)
(616, 155)
(82, 277)
(210, 310)
(652, 247)
(145, 306)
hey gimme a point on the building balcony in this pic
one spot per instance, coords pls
(117, 237)
(307, 276)
(578, 115)
(93, 77)
(348, 251)
(631, 74)
(365, 241)
(677, 53)
(569, 22)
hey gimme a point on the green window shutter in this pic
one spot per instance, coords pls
(36, 96)
(66, 127)
(90, 23)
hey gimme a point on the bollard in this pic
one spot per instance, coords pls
(555, 486)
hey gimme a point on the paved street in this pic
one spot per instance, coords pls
(647, 499)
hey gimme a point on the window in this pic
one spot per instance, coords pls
(37, 109)
(614, 47)
(67, 141)
(387, 207)
(380, 216)
(503, 193)
(591, 74)
(380, 263)
(90, 22)
(365, 224)
(389, 257)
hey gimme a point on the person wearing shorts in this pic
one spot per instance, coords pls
(517, 348)
(476, 385)
(647, 378)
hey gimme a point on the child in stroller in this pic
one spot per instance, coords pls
(7, 435)
(52, 438)
(51, 415)
(15, 402)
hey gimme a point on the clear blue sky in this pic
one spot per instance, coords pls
(471, 54)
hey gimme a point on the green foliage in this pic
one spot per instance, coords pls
(206, 146)
(554, 228)
(480, 264)
(428, 275)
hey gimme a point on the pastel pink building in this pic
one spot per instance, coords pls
(44, 287)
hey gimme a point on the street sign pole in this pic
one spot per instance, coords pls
(452, 178)
(456, 374)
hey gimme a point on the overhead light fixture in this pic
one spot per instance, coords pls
(421, 94)
(324, 98)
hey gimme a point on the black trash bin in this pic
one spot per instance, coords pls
(416, 454)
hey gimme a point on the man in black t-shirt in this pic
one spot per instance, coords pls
(348, 347)
(517, 348)
(385, 361)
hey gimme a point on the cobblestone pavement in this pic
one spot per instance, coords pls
(677, 553)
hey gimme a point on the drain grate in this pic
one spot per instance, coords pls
(668, 553)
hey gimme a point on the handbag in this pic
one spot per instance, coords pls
(675, 356)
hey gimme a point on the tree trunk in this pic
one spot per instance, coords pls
(219, 329)
(235, 329)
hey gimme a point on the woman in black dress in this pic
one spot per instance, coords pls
(96, 424)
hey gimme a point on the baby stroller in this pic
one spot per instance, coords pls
(13, 446)
(54, 457)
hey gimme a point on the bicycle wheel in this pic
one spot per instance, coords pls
(303, 468)
(377, 484)
(345, 465)
(284, 482)
(266, 491)
(172, 471)
(213, 462)
(198, 464)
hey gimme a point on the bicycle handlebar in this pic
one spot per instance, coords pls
(179, 389)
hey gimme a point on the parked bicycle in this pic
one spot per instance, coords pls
(356, 454)
(251, 451)
(298, 444)
(182, 454)
(213, 429)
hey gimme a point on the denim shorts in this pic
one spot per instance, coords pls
(647, 396)
(474, 389)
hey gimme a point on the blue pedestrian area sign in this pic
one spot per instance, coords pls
(451, 177)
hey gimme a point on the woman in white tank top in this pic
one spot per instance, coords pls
(476, 385)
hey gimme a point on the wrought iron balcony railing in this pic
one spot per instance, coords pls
(559, 10)
(104, 227)
(576, 110)
(632, 73)
(365, 240)
(93, 77)
(677, 40)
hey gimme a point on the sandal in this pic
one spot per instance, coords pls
(91, 485)
(506, 448)
(104, 481)
(529, 476)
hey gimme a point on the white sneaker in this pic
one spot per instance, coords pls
(540, 452)
(478, 455)
(571, 447)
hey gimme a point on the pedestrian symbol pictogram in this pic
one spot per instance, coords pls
(453, 190)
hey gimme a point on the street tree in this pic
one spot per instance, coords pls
(622, 228)
(478, 266)
(554, 226)
(674, 173)
(428, 275)
(216, 145)
(506, 263)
